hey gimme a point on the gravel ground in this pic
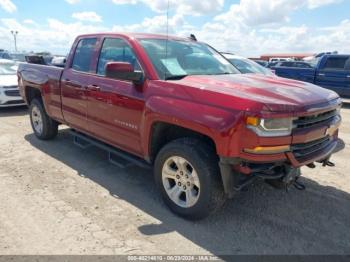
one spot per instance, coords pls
(56, 198)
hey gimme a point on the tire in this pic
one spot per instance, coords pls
(199, 172)
(44, 127)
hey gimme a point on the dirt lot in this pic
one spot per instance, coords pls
(56, 198)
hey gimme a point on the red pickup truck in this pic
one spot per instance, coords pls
(179, 105)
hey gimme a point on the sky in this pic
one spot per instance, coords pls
(245, 27)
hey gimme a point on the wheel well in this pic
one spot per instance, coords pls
(163, 133)
(32, 93)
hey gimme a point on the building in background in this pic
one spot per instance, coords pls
(296, 56)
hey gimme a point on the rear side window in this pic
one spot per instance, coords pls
(83, 54)
(116, 50)
(303, 65)
(336, 63)
(287, 64)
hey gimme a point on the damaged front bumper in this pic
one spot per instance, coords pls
(237, 173)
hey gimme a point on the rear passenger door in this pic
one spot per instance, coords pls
(334, 74)
(115, 107)
(74, 82)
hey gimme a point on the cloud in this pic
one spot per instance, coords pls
(8, 6)
(317, 3)
(181, 7)
(53, 35)
(257, 12)
(254, 42)
(29, 22)
(87, 16)
(125, 2)
(240, 34)
(156, 24)
(72, 2)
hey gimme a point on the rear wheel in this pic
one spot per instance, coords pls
(187, 174)
(44, 127)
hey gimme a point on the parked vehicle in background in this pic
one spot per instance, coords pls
(246, 66)
(262, 62)
(4, 54)
(44, 58)
(331, 71)
(59, 61)
(179, 105)
(18, 57)
(9, 93)
(276, 59)
(272, 64)
(299, 64)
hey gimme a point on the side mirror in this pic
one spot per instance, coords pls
(123, 71)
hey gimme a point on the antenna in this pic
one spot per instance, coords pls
(167, 35)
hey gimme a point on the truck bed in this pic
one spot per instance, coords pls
(302, 74)
(47, 80)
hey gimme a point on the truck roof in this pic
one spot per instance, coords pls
(137, 35)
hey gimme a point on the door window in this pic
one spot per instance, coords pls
(116, 50)
(83, 54)
(336, 63)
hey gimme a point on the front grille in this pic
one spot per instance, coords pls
(14, 102)
(309, 121)
(10, 87)
(303, 150)
(12, 92)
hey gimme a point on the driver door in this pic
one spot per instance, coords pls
(115, 107)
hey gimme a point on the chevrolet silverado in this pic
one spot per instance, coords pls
(178, 105)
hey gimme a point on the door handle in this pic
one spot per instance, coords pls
(348, 76)
(94, 88)
(321, 74)
(74, 84)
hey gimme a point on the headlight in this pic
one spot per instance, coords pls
(270, 126)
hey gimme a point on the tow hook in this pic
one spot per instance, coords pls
(291, 178)
(311, 165)
(327, 163)
(298, 185)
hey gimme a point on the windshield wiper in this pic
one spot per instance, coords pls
(175, 77)
(225, 73)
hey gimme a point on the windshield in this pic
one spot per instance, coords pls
(313, 62)
(8, 68)
(247, 66)
(18, 57)
(185, 58)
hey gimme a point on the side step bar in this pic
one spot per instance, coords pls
(115, 156)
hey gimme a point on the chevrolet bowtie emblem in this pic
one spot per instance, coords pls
(331, 130)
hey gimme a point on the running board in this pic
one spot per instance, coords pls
(346, 100)
(82, 143)
(116, 156)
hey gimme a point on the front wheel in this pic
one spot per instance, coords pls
(187, 174)
(44, 127)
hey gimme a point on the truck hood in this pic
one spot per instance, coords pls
(8, 80)
(276, 93)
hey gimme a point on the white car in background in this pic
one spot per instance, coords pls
(247, 66)
(9, 92)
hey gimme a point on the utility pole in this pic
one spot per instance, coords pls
(15, 33)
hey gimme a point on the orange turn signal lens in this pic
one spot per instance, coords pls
(252, 121)
(267, 150)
